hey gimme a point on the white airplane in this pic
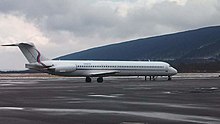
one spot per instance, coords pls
(90, 69)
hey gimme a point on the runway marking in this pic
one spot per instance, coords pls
(208, 88)
(160, 115)
(138, 88)
(13, 82)
(5, 84)
(167, 92)
(184, 106)
(11, 108)
(132, 123)
(106, 96)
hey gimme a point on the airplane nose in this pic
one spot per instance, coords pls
(173, 71)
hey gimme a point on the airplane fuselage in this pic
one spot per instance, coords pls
(110, 68)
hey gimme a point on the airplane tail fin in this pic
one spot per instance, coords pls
(30, 52)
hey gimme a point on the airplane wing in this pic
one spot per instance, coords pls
(103, 73)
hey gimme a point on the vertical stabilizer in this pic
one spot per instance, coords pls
(30, 52)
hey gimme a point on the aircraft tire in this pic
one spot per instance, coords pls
(100, 80)
(88, 80)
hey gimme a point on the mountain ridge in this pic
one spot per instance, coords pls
(165, 47)
(193, 46)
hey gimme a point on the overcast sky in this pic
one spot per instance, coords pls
(58, 27)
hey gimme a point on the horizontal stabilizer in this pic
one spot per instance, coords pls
(19, 44)
(10, 45)
(37, 65)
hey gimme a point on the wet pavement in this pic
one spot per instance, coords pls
(56, 100)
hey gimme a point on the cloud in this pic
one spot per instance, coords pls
(18, 29)
(60, 27)
(180, 2)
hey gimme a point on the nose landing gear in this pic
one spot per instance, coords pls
(169, 78)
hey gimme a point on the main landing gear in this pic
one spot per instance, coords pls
(99, 79)
(88, 79)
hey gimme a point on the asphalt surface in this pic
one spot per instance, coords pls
(116, 101)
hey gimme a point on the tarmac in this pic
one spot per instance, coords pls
(57, 100)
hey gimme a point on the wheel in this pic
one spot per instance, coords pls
(100, 80)
(88, 79)
(169, 78)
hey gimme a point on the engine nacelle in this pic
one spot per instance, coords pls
(65, 68)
